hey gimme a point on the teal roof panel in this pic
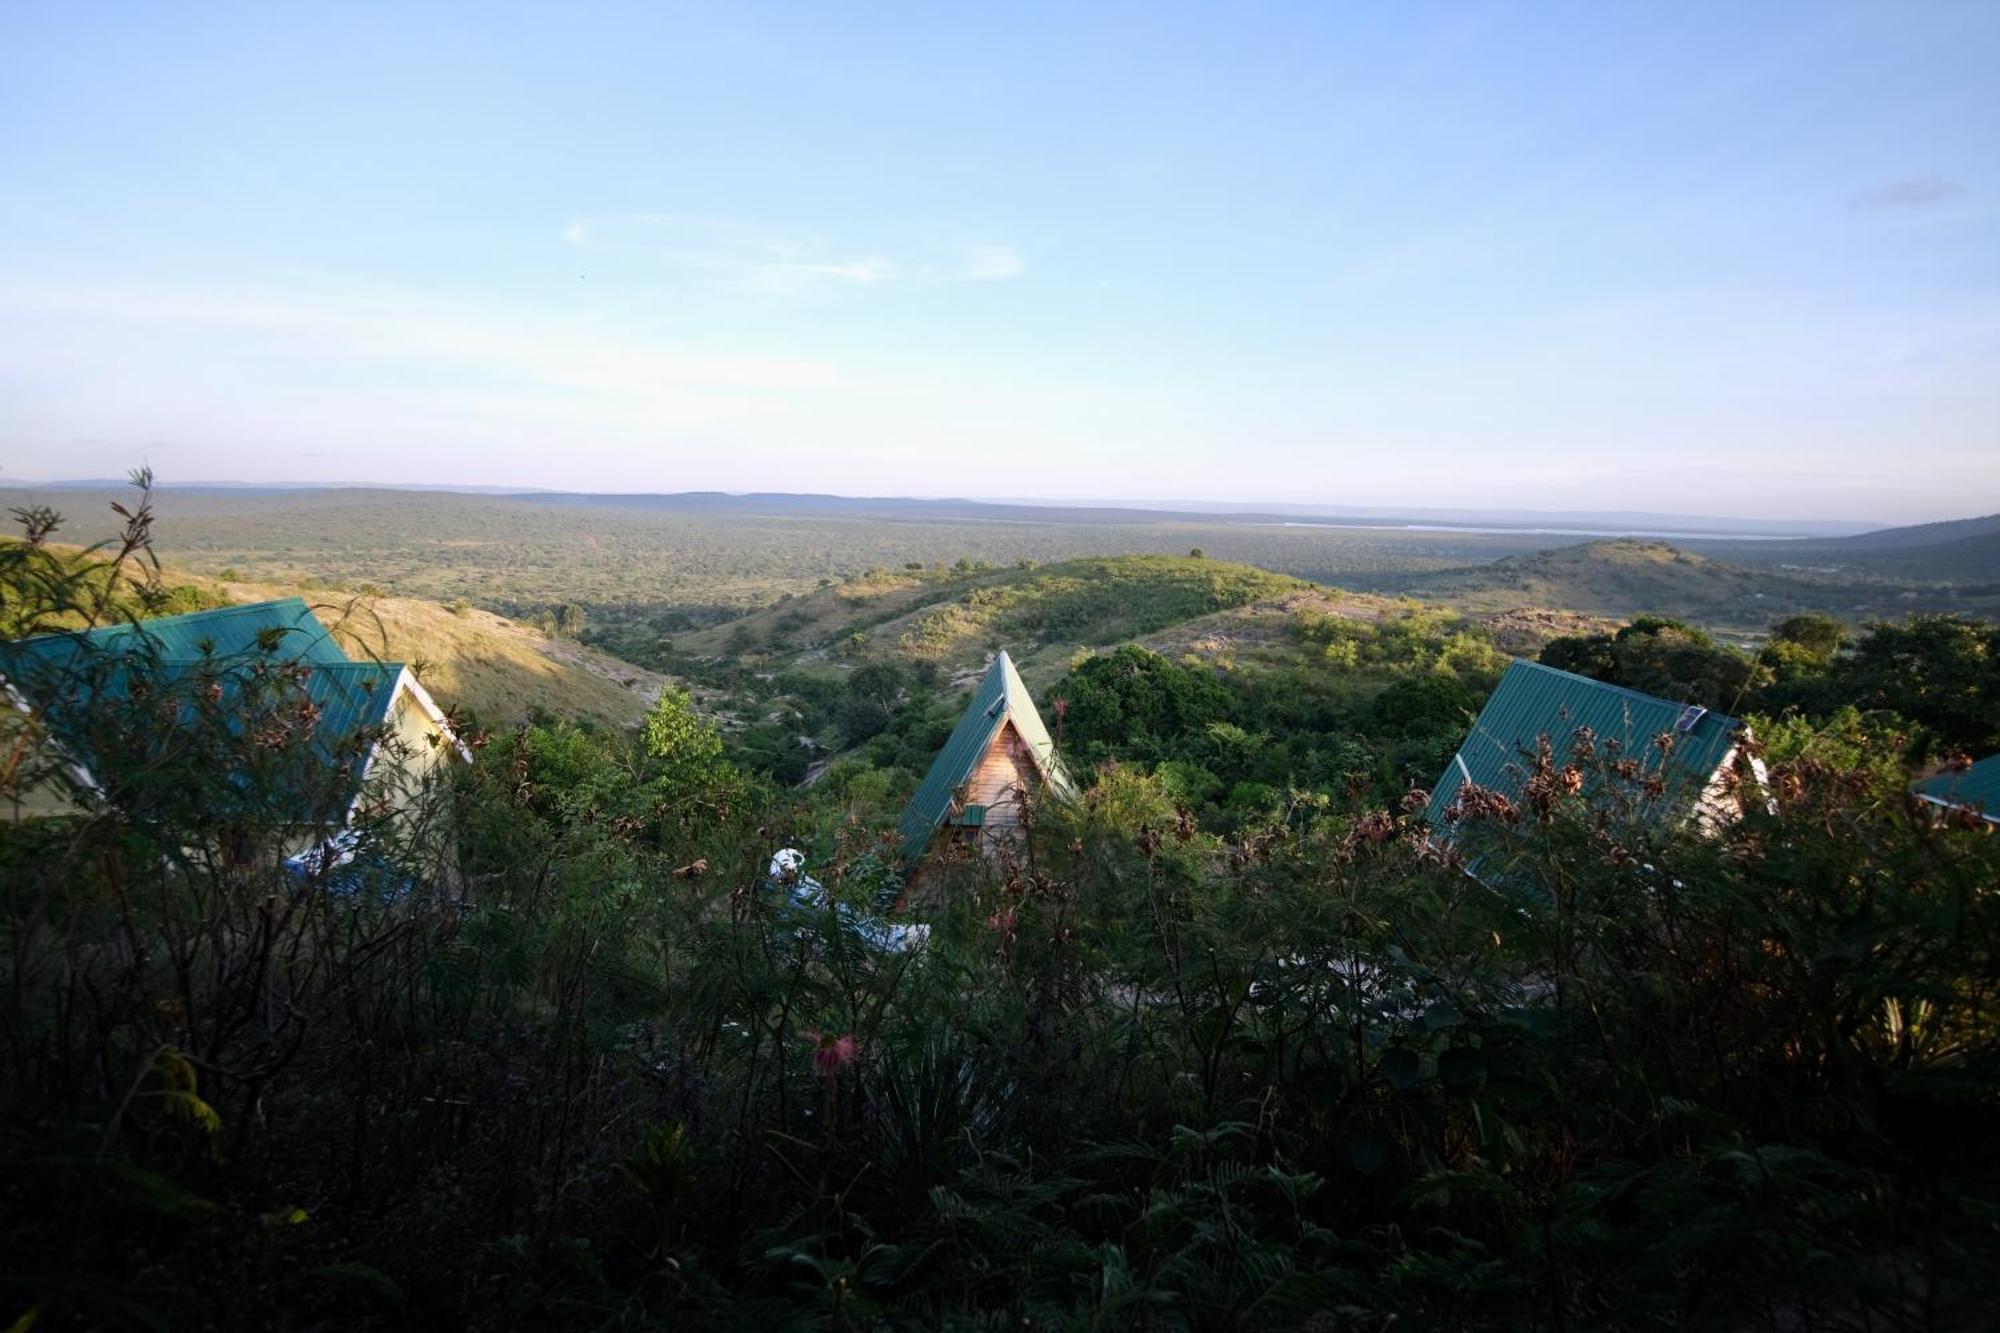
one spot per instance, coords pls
(88, 681)
(108, 720)
(1976, 788)
(1533, 701)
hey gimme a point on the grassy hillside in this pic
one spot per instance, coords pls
(1211, 609)
(1079, 603)
(497, 669)
(878, 667)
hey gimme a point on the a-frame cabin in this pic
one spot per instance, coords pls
(998, 755)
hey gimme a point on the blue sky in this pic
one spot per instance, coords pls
(1732, 259)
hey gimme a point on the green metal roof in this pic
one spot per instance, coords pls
(1977, 788)
(86, 679)
(1533, 701)
(1000, 698)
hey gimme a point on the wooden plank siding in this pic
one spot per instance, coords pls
(1003, 773)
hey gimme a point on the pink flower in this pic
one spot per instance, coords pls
(833, 1054)
(1004, 921)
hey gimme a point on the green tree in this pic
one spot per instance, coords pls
(1940, 670)
(685, 747)
(1816, 637)
(1137, 704)
(1665, 657)
(869, 700)
(1581, 654)
(1424, 705)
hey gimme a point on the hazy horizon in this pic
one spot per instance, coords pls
(1716, 262)
(1634, 522)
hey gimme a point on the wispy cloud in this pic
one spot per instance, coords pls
(781, 259)
(331, 368)
(991, 263)
(1910, 192)
(559, 351)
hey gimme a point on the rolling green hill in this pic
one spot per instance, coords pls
(786, 679)
(956, 620)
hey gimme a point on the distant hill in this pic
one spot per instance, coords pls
(1921, 534)
(1044, 615)
(1579, 522)
(1625, 578)
(1965, 560)
(1964, 551)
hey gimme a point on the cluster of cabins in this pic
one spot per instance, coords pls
(1692, 763)
(1000, 755)
(1686, 762)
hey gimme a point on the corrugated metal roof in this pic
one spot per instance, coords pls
(1000, 698)
(94, 723)
(1533, 701)
(1977, 788)
(81, 677)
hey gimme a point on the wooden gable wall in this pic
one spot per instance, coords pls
(1003, 773)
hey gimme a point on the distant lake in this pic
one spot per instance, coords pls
(1547, 532)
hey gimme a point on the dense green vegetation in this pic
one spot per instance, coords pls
(1233, 1042)
(1935, 679)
